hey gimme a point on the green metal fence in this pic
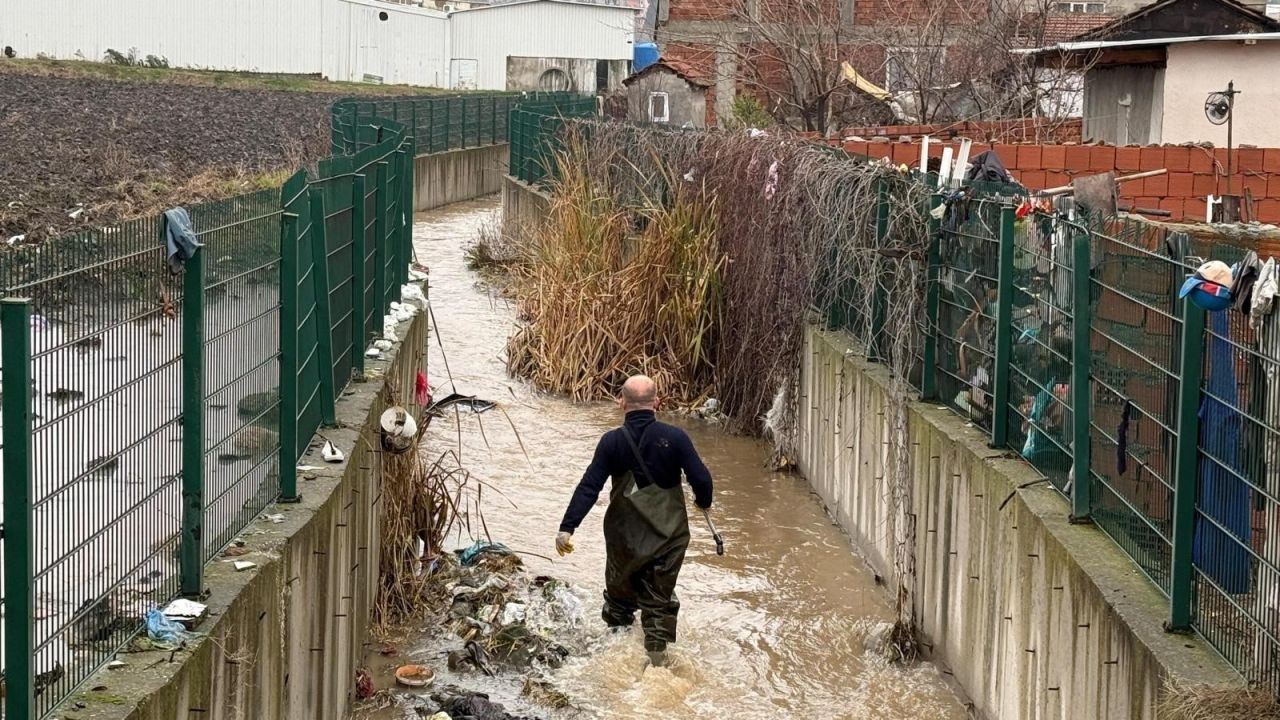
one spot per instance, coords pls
(440, 123)
(156, 414)
(534, 133)
(1063, 337)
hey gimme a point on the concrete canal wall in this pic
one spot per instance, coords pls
(284, 639)
(1034, 617)
(457, 175)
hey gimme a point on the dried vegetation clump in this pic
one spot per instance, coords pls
(1182, 701)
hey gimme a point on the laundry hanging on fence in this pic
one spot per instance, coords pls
(180, 239)
(1222, 526)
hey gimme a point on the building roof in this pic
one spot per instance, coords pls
(512, 3)
(1086, 45)
(683, 70)
(1183, 18)
(1061, 28)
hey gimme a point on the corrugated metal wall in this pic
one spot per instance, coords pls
(406, 48)
(538, 29)
(258, 35)
(341, 39)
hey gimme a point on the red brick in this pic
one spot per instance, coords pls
(1053, 157)
(1249, 159)
(1173, 205)
(1056, 179)
(1157, 186)
(1077, 158)
(1273, 186)
(1181, 184)
(1194, 208)
(1016, 176)
(1128, 159)
(1029, 157)
(1256, 184)
(1034, 179)
(877, 150)
(1271, 160)
(1102, 158)
(906, 154)
(1201, 160)
(1205, 185)
(1268, 210)
(1177, 159)
(855, 148)
(1008, 154)
(1152, 158)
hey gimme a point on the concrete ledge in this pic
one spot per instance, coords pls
(523, 208)
(284, 639)
(456, 175)
(1036, 617)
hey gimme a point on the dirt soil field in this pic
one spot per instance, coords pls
(87, 149)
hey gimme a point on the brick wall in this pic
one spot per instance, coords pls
(1005, 131)
(1194, 172)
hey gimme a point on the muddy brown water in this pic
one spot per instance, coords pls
(779, 627)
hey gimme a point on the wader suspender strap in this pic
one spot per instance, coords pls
(635, 449)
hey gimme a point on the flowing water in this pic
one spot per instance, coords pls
(779, 627)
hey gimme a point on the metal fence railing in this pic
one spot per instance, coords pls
(1064, 338)
(157, 413)
(534, 134)
(441, 123)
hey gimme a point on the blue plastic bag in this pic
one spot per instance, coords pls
(164, 632)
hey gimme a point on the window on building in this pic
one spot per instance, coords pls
(659, 107)
(899, 68)
(1082, 8)
(1273, 10)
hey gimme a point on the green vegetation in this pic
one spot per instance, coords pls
(749, 113)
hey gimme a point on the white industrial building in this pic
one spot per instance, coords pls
(524, 45)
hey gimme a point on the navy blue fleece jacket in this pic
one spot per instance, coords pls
(667, 450)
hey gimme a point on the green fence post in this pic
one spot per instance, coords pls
(406, 227)
(359, 249)
(1081, 290)
(191, 551)
(324, 325)
(1004, 332)
(380, 199)
(929, 360)
(875, 350)
(1191, 354)
(289, 358)
(19, 542)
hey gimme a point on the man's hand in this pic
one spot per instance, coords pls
(564, 543)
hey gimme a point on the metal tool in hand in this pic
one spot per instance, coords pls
(714, 534)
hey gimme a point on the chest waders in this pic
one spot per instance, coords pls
(646, 533)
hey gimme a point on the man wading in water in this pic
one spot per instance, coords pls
(646, 528)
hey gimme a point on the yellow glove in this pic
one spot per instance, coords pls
(564, 543)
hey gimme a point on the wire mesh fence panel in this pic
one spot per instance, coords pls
(241, 364)
(1236, 555)
(335, 187)
(391, 237)
(106, 390)
(1134, 357)
(968, 269)
(306, 386)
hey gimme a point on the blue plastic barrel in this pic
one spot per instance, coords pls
(646, 55)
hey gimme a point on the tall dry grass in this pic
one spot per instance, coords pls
(606, 292)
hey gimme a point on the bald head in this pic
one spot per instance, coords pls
(639, 393)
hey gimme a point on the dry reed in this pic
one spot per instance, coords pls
(1216, 702)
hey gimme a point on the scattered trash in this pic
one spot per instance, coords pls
(307, 468)
(389, 651)
(116, 664)
(187, 612)
(65, 394)
(399, 430)
(75, 214)
(242, 565)
(276, 518)
(415, 675)
(374, 353)
(414, 294)
(421, 390)
(513, 613)
(364, 684)
(440, 716)
(472, 554)
(236, 551)
(331, 453)
(389, 331)
(470, 402)
(475, 706)
(16, 239)
(383, 345)
(163, 632)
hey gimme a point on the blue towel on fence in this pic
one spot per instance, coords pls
(1222, 525)
(180, 239)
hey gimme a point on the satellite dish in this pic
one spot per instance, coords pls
(1218, 108)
